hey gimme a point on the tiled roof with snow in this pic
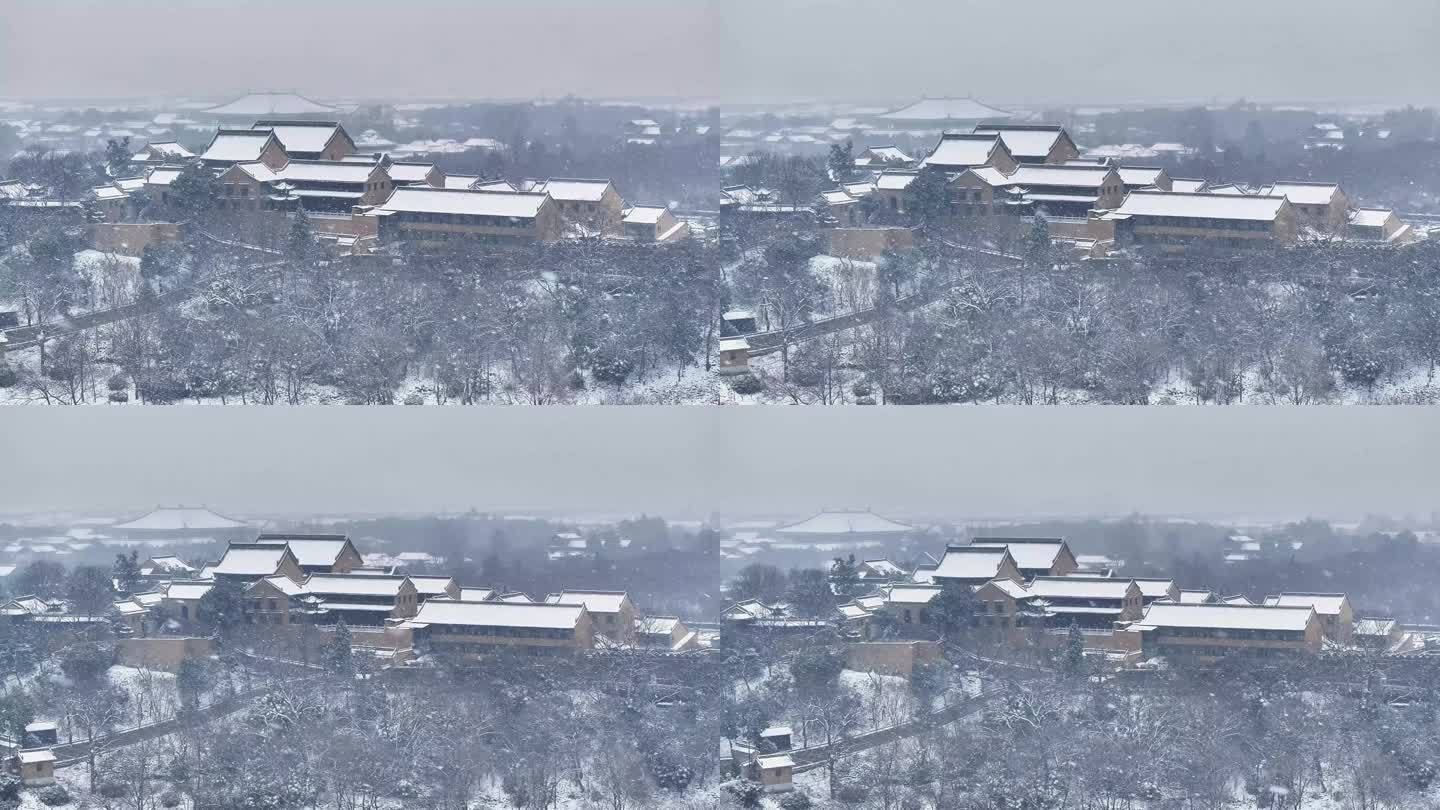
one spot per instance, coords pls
(129, 184)
(1077, 588)
(300, 136)
(1026, 141)
(500, 614)
(657, 625)
(1029, 553)
(107, 193)
(263, 104)
(309, 551)
(247, 560)
(1140, 175)
(461, 181)
(236, 145)
(1154, 587)
(162, 175)
(1226, 617)
(965, 562)
(1371, 217)
(165, 149)
(190, 590)
(1010, 588)
(1326, 604)
(644, 214)
(1302, 193)
(524, 205)
(961, 150)
(1374, 627)
(594, 601)
(572, 189)
(1076, 176)
(129, 608)
(350, 585)
(494, 185)
(283, 584)
(1203, 206)
(325, 171)
(895, 180)
(912, 594)
(882, 154)
(257, 171)
(883, 567)
(1187, 184)
(409, 172)
(431, 585)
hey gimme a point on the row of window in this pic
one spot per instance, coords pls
(501, 632)
(1237, 633)
(481, 649)
(464, 219)
(1218, 651)
(1208, 223)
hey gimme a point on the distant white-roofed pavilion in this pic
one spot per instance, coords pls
(260, 105)
(183, 524)
(947, 110)
(845, 525)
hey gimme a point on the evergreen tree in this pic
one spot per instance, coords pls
(844, 577)
(222, 608)
(339, 656)
(841, 162)
(117, 157)
(810, 594)
(1073, 663)
(194, 192)
(1038, 245)
(816, 670)
(955, 610)
(193, 678)
(300, 244)
(126, 571)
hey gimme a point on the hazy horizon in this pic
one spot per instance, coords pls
(740, 51)
(1260, 462)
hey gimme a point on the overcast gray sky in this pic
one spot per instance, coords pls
(420, 48)
(1118, 50)
(962, 462)
(1370, 50)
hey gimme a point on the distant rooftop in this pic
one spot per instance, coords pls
(180, 518)
(946, 109)
(841, 522)
(263, 104)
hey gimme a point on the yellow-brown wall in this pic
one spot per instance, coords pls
(868, 243)
(164, 652)
(130, 238)
(273, 155)
(891, 657)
